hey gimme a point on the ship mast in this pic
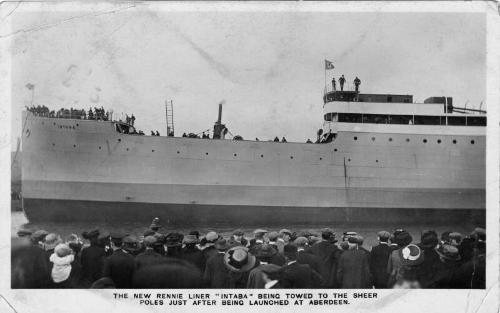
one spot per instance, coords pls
(169, 114)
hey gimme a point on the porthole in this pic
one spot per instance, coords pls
(235, 154)
(291, 157)
(206, 153)
(390, 139)
(472, 142)
(99, 147)
(53, 145)
(74, 146)
(77, 124)
(407, 139)
(355, 138)
(54, 124)
(153, 150)
(348, 160)
(376, 161)
(335, 149)
(127, 149)
(119, 139)
(178, 152)
(320, 159)
(373, 138)
(261, 155)
(454, 141)
(425, 140)
(439, 141)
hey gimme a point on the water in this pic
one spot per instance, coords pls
(369, 232)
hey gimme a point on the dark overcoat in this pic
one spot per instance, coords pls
(120, 268)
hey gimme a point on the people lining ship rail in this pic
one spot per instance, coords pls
(334, 87)
(217, 262)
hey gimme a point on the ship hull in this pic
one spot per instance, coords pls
(85, 170)
(68, 211)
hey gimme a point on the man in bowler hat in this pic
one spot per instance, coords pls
(216, 274)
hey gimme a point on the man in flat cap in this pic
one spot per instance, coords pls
(328, 253)
(258, 240)
(92, 258)
(295, 275)
(191, 253)
(283, 239)
(256, 278)
(238, 239)
(120, 265)
(149, 257)
(304, 257)
(379, 256)
(353, 270)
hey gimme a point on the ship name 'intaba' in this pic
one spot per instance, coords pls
(378, 157)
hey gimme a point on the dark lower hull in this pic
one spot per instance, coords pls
(195, 214)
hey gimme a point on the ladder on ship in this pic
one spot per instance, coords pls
(169, 114)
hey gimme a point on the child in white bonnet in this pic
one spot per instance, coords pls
(62, 258)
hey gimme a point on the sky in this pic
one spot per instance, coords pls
(267, 67)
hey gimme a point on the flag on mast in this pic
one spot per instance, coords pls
(329, 65)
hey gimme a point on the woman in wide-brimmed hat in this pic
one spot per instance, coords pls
(407, 276)
(403, 239)
(239, 261)
(449, 263)
(427, 272)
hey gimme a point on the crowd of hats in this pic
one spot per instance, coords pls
(240, 255)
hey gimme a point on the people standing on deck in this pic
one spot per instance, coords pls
(357, 82)
(342, 82)
(334, 84)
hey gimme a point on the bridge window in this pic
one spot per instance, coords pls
(375, 118)
(456, 120)
(400, 119)
(427, 120)
(350, 118)
(476, 120)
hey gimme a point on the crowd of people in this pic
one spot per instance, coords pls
(71, 113)
(271, 259)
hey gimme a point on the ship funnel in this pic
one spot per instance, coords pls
(219, 127)
(219, 119)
